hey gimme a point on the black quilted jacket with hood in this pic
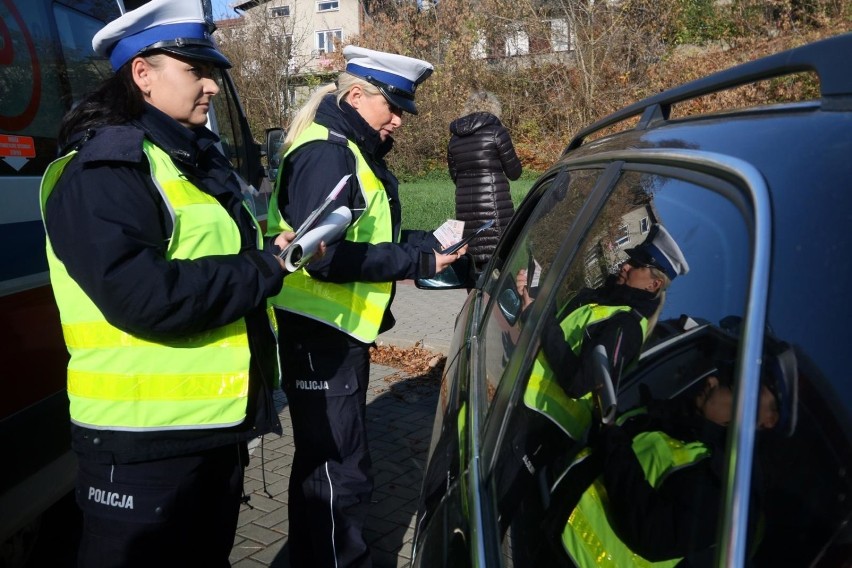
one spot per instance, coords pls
(482, 160)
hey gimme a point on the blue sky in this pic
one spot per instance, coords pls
(221, 9)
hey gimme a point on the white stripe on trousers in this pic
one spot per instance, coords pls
(331, 511)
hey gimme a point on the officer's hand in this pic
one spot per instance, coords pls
(522, 286)
(282, 241)
(442, 261)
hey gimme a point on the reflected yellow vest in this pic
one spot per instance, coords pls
(543, 393)
(119, 381)
(588, 537)
(356, 308)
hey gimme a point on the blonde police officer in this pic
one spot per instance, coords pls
(331, 313)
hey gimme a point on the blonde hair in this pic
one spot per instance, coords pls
(661, 296)
(483, 101)
(306, 115)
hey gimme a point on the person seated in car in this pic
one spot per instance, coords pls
(618, 316)
(659, 480)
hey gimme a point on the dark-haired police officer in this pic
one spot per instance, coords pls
(161, 281)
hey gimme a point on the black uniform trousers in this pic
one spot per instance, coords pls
(325, 377)
(179, 511)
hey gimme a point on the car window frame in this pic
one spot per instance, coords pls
(755, 202)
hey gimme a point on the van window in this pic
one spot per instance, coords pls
(32, 90)
(85, 69)
(39, 82)
(228, 123)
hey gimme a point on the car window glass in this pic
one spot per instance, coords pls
(543, 233)
(537, 477)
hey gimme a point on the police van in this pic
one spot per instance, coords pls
(46, 65)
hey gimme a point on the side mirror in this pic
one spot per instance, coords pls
(274, 142)
(457, 275)
(510, 305)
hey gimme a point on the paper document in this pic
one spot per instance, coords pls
(449, 233)
(305, 247)
(316, 218)
(453, 248)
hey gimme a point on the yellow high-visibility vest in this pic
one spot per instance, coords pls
(120, 381)
(543, 393)
(588, 537)
(356, 308)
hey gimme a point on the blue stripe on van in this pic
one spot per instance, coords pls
(22, 252)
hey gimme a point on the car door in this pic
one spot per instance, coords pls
(600, 207)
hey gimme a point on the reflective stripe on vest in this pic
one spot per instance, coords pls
(356, 308)
(543, 393)
(120, 381)
(588, 537)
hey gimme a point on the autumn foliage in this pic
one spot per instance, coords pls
(618, 52)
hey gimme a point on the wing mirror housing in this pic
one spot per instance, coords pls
(459, 274)
(274, 141)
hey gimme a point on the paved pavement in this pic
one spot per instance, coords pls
(400, 414)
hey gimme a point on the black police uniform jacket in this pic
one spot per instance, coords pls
(679, 518)
(621, 335)
(482, 159)
(110, 227)
(310, 173)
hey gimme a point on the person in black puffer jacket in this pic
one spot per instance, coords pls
(482, 159)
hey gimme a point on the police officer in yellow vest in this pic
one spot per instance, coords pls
(161, 280)
(616, 317)
(330, 314)
(656, 502)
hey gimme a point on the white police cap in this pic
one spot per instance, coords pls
(396, 76)
(661, 251)
(175, 26)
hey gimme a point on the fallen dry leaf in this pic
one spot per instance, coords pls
(415, 364)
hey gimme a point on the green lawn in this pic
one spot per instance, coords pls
(428, 202)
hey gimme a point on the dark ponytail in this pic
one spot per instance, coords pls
(116, 101)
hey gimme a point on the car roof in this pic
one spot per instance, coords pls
(827, 58)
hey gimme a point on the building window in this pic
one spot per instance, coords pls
(328, 6)
(623, 236)
(480, 47)
(560, 36)
(644, 225)
(280, 12)
(517, 41)
(325, 40)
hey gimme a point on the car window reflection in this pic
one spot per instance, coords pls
(589, 332)
(535, 247)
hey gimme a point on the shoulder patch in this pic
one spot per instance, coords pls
(113, 143)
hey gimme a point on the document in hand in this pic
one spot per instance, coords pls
(453, 248)
(322, 225)
(302, 249)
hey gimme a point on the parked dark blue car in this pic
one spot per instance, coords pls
(760, 201)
